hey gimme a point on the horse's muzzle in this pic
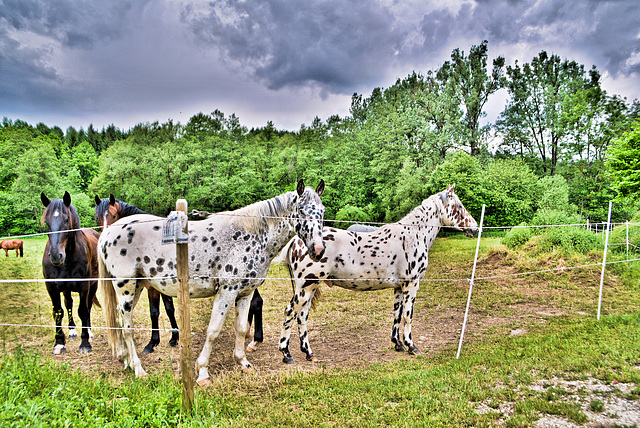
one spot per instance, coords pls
(471, 232)
(316, 252)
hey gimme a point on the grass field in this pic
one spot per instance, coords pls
(533, 353)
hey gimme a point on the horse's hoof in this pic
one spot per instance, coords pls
(73, 333)
(86, 350)
(413, 350)
(59, 349)
(173, 343)
(287, 360)
(252, 347)
(147, 350)
(400, 348)
(205, 383)
(248, 369)
(313, 359)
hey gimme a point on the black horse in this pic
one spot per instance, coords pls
(71, 253)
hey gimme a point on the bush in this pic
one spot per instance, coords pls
(517, 236)
(351, 213)
(619, 236)
(556, 237)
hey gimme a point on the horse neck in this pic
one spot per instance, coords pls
(426, 219)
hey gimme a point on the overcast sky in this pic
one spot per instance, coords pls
(72, 63)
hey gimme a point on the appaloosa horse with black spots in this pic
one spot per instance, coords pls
(70, 254)
(108, 211)
(229, 256)
(393, 256)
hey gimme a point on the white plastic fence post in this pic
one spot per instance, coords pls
(604, 260)
(473, 274)
(627, 239)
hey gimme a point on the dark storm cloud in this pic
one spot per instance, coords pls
(336, 44)
(76, 24)
(272, 58)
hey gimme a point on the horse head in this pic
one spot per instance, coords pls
(309, 217)
(60, 217)
(454, 214)
(107, 211)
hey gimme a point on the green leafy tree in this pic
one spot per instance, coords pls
(474, 85)
(624, 163)
(543, 107)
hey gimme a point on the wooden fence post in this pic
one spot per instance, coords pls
(184, 325)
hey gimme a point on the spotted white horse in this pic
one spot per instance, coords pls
(229, 255)
(394, 256)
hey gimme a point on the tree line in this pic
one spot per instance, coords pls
(550, 148)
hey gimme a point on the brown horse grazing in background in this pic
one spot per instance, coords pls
(71, 253)
(12, 244)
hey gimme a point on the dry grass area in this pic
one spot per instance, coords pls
(347, 329)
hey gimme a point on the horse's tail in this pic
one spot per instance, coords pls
(110, 306)
(21, 249)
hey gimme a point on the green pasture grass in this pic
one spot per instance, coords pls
(434, 389)
(439, 391)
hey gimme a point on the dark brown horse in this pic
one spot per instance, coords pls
(12, 244)
(108, 211)
(70, 254)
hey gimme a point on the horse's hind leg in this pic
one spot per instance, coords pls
(171, 314)
(154, 312)
(241, 327)
(255, 313)
(68, 304)
(128, 294)
(409, 295)
(85, 318)
(397, 318)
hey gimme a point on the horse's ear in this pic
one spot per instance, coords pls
(300, 188)
(66, 198)
(97, 200)
(443, 196)
(112, 199)
(320, 188)
(45, 201)
(451, 188)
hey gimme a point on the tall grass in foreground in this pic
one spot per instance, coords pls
(439, 392)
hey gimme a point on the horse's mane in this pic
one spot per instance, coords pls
(261, 214)
(417, 211)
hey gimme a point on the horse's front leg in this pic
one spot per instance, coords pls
(58, 314)
(68, 304)
(397, 318)
(241, 326)
(409, 297)
(255, 314)
(154, 312)
(221, 306)
(171, 313)
(306, 297)
(291, 314)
